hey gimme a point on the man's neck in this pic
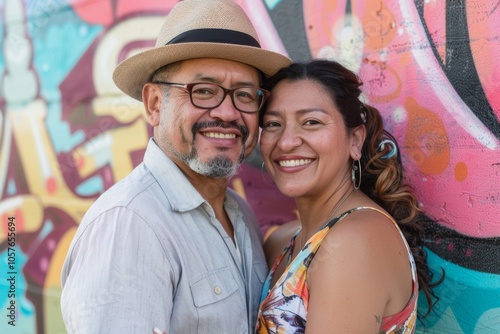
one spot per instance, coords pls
(214, 192)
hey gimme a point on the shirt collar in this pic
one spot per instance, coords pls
(172, 180)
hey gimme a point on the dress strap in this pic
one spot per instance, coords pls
(291, 245)
(387, 216)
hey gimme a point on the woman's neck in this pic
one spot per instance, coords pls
(314, 213)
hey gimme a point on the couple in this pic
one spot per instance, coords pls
(171, 249)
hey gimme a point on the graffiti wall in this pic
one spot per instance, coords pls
(67, 133)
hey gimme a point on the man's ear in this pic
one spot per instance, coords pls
(151, 97)
(358, 136)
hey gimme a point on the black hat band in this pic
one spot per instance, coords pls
(215, 36)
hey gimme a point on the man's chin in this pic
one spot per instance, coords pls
(230, 158)
(218, 168)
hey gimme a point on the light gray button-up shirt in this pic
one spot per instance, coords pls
(151, 253)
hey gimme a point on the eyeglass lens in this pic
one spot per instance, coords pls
(208, 95)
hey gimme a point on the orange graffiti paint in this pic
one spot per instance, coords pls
(318, 22)
(461, 171)
(51, 185)
(426, 139)
(80, 161)
(383, 79)
(20, 221)
(18, 216)
(379, 25)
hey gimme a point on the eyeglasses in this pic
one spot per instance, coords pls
(247, 99)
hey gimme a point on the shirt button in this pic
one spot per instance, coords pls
(217, 290)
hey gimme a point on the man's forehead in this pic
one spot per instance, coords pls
(214, 69)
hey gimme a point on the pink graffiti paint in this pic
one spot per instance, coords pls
(440, 134)
(107, 12)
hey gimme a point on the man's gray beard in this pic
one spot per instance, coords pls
(219, 167)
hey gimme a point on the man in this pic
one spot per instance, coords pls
(170, 247)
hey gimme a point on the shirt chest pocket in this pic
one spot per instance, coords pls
(213, 286)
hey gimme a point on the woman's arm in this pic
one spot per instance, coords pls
(359, 275)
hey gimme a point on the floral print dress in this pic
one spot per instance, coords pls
(283, 308)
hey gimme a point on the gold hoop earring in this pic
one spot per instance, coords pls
(356, 169)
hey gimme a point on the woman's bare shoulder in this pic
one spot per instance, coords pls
(363, 244)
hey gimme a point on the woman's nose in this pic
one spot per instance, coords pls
(289, 140)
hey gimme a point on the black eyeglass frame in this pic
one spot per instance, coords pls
(189, 87)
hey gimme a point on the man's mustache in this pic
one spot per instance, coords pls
(220, 124)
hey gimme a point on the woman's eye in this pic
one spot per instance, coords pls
(271, 124)
(311, 122)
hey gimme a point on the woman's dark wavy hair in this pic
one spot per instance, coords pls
(382, 174)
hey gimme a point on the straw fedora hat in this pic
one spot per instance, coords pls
(199, 29)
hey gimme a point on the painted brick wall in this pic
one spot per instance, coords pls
(67, 133)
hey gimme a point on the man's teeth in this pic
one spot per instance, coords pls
(294, 163)
(220, 135)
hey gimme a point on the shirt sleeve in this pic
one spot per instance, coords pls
(117, 278)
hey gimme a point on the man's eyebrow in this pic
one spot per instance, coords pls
(206, 78)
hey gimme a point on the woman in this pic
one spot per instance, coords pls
(329, 151)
